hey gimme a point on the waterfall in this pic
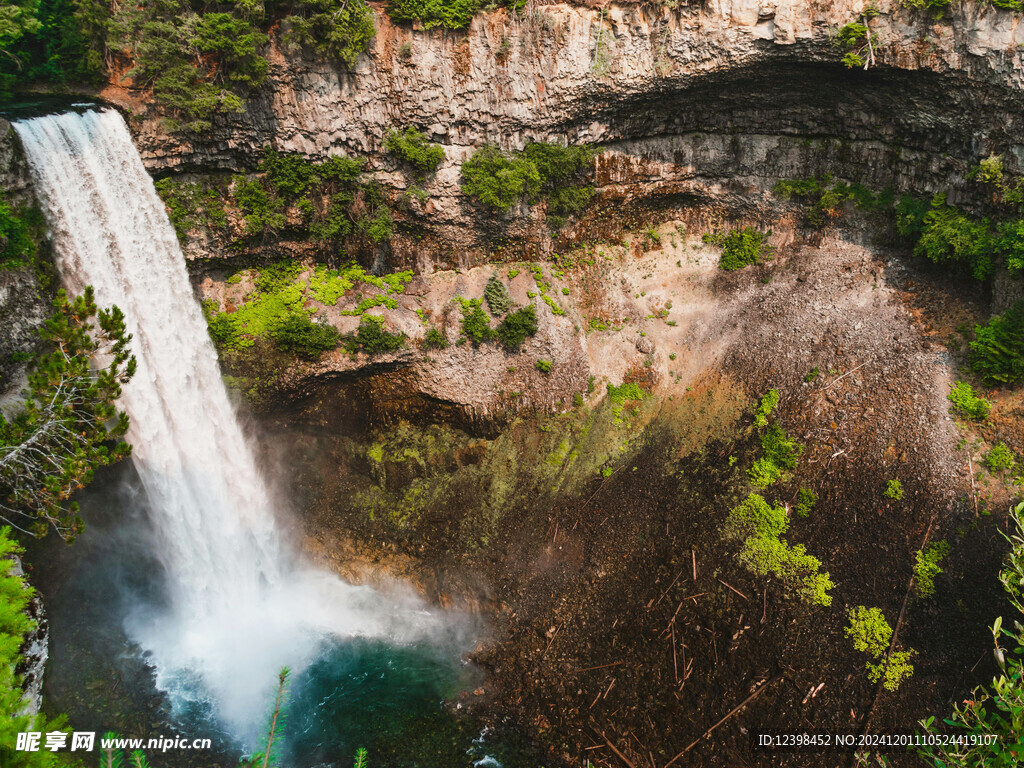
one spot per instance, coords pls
(241, 604)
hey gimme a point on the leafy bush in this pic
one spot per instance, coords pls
(496, 294)
(893, 490)
(997, 352)
(15, 624)
(625, 392)
(764, 552)
(872, 634)
(262, 212)
(476, 325)
(341, 29)
(16, 246)
(823, 197)
(967, 404)
(541, 171)
(516, 327)
(949, 236)
(300, 335)
(740, 247)
(1000, 458)
(1010, 244)
(910, 212)
(450, 14)
(926, 567)
(191, 205)
(499, 180)
(869, 630)
(434, 339)
(780, 452)
(805, 501)
(413, 148)
(372, 339)
(544, 366)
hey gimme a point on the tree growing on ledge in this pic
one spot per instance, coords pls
(65, 428)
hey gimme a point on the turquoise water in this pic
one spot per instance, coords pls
(394, 701)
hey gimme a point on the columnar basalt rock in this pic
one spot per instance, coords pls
(717, 99)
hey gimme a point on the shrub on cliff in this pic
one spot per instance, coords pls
(951, 237)
(516, 327)
(450, 14)
(496, 294)
(414, 148)
(997, 352)
(372, 339)
(476, 325)
(342, 29)
(16, 246)
(541, 171)
(301, 336)
(740, 247)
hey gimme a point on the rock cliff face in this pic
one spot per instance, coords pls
(713, 100)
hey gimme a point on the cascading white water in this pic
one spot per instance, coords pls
(241, 605)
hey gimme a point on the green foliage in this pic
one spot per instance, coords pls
(1000, 458)
(967, 404)
(496, 294)
(892, 670)
(760, 527)
(619, 395)
(1009, 244)
(779, 453)
(938, 6)
(872, 634)
(910, 214)
(951, 237)
(999, 710)
(822, 197)
(68, 417)
(869, 630)
(516, 327)
(544, 366)
(541, 171)
(262, 212)
(191, 205)
(741, 247)
(414, 149)
(341, 29)
(997, 352)
(17, 248)
(434, 339)
(768, 402)
(450, 14)
(362, 760)
(499, 180)
(805, 501)
(372, 339)
(48, 40)
(763, 473)
(15, 624)
(301, 336)
(926, 567)
(893, 490)
(476, 325)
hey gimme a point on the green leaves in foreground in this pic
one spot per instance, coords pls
(68, 424)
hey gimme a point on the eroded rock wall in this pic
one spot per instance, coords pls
(716, 99)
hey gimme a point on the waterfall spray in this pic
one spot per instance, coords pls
(241, 604)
